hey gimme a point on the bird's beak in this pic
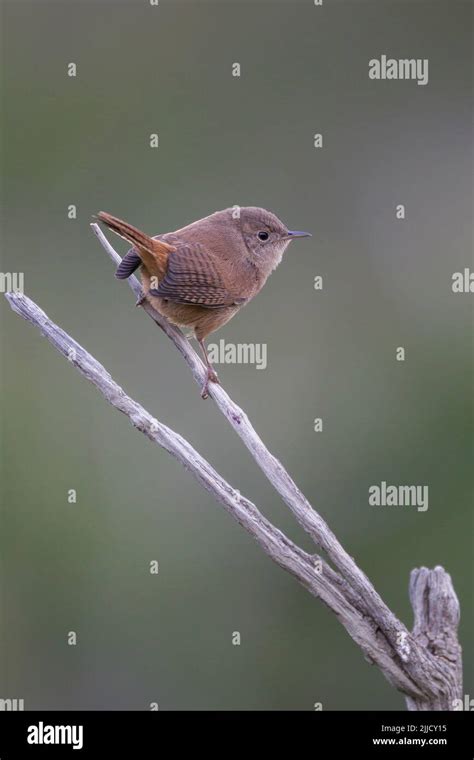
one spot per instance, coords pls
(297, 234)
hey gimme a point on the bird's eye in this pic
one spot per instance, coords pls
(263, 235)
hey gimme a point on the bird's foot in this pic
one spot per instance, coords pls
(140, 301)
(211, 377)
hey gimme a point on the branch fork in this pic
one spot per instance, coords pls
(425, 664)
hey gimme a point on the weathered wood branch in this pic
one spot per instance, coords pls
(435, 648)
(418, 663)
(436, 618)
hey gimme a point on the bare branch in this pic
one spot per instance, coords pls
(312, 572)
(417, 662)
(436, 610)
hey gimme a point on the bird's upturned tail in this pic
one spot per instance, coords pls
(153, 253)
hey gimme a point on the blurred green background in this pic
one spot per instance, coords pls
(84, 567)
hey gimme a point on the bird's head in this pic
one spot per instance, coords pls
(265, 236)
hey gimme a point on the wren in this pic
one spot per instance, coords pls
(201, 275)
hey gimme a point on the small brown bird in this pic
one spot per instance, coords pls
(201, 275)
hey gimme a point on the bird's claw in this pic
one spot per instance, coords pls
(211, 377)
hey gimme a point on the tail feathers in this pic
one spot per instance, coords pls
(126, 231)
(153, 253)
(130, 262)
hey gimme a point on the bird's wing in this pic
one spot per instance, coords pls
(192, 277)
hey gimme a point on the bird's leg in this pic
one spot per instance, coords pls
(141, 300)
(211, 376)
